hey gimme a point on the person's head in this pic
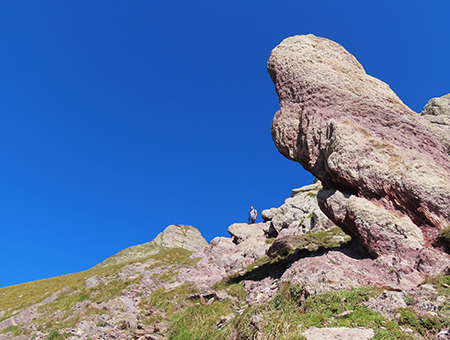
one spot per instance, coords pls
(252, 207)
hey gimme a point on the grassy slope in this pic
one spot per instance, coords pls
(283, 317)
(26, 294)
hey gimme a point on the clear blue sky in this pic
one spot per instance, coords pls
(119, 118)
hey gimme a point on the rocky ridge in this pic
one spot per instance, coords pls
(235, 271)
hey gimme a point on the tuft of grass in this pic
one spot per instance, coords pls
(441, 283)
(238, 291)
(444, 237)
(326, 238)
(167, 275)
(175, 256)
(426, 325)
(198, 321)
(15, 330)
(168, 301)
(56, 335)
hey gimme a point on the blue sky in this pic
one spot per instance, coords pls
(119, 118)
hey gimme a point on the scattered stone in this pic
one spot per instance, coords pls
(224, 320)
(341, 333)
(341, 315)
(387, 302)
(92, 281)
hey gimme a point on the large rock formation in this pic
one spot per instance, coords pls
(385, 170)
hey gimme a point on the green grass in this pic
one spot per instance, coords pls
(56, 335)
(238, 291)
(33, 292)
(285, 317)
(198, 321)
(26, 294)
(59, 315)
(324, 238)
(426, 324)
(15, 330)
(444, 237)
(168, 301)
(441, 283)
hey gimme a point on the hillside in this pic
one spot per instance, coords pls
(226, 290)
(362, 253)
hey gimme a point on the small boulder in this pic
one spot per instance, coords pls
(337, 333)
(242, 231)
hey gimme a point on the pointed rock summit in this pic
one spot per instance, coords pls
(384, 168)
(174, 236)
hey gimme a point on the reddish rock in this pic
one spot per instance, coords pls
(242, 231)
(376, 155)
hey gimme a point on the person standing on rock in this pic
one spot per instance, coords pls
(252, 215)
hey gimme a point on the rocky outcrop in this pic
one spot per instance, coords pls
(181, 236)
(174, 236)
(437, 111)
(299, 214)
(385, 170)
(132, 300)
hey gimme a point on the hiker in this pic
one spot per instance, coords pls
(252, 215)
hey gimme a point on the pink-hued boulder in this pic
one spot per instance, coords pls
(385, 169)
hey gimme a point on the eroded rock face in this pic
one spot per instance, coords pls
(299, 214)
(377, 156)
(437, 111)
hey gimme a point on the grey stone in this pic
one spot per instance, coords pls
(300, 213)
(341, 333)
